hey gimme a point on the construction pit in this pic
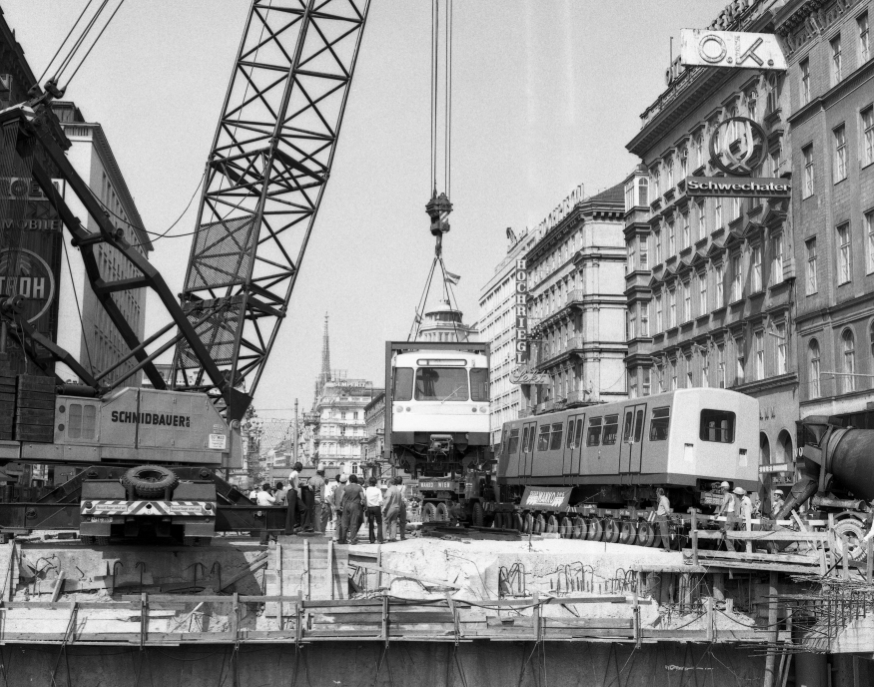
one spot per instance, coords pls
(425, 611)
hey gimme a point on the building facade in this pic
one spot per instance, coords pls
(830, 84)
(339, 441)
(90, 335)
(576, 305)
(711, 281)
(497, 326)
(443, 322)
(374, 427)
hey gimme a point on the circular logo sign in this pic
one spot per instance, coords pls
(32, 280)
(737, 146)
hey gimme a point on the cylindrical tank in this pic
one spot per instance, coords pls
(851, 461)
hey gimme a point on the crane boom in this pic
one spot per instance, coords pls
(267, 171)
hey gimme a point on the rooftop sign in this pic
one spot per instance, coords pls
(733, 49)
(737, 187)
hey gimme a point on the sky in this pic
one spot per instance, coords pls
(546, 93)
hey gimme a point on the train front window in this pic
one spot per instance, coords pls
(556, 436)
(479, 384)
(402, 384)
(543, 438)
(594, 437)
(441, 384)
(717, 425)
(611, 429)
(658, 425)
(513, 442)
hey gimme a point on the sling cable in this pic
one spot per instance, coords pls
(439, 206)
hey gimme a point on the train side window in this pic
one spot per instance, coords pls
(717, 425)
(529, 443)
(638, 426)
(543, 438)
(594, 437)
(479, 384)
(570, 435)
(611, 429)
(579, 434)
(658, 425)
(627, 426)
(557, 430)
(402, 385)
(513, 442)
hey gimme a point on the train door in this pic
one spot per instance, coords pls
(526, 459)
(632, 438)
(572, 450)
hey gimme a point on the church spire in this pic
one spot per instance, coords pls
(326, 355)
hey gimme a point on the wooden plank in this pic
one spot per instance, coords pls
(530, 621)
(768, 557)
(59, 585)
(402, 573)
(766, 536)
(407, 617)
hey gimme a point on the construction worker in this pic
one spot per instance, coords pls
(373, 494)
(264, 497)
(330, 488)
(662, 512)
(353, 506)
(295, 515)
(776, 502)
(391, 509)
(337, 504)
(402, 518)
(727, 505)
(317, 489)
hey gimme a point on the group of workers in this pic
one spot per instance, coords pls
(313, 504)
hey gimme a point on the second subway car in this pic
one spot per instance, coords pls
(614, 456)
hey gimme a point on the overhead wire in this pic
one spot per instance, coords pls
(64, 42)
(99, 35)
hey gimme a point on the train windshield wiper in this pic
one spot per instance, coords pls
(452, 393)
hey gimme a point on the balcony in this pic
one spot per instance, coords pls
(555, 353)
(572, 298)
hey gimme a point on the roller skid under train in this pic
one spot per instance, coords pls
(592, 473)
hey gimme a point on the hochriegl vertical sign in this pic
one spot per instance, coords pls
(521, 311)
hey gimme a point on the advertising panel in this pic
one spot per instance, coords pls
(731, 49)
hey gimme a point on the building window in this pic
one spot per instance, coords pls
(672, 239)
(687, 301)
(848, 347)
(629, 261)
(645, 381)
(660, 377)
(756, 268)
(672, 308)
(836, 59)
(736, 278)
(659, 322)
(642, 191)
(811, 266)
(687, 230)
(759, 337)
(658, 246)
(702, 293)
(629, 195)
(705, 368)
(717, 212)
(752, 102)
(720, 366)
(735, 208)
(805, 81)
(669, 174)
(807, 152)
(869, 232)
(699, 219)
(720, 285)
(684, 162)
(644, 319)
(781, 349)
(739, 361)
(673, 374)
(864, 47)
(630, 326)
(840, 170)
(777, 259)
(699, 150)
(868, 136)
(813, 366)
(689, 371)
(656, 180)
(643, 257)
(844, 258)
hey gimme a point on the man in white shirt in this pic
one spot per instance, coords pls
(373, 494)
(264, 497)
(662, 513)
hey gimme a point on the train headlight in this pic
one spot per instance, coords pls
(408, 409)
(399, 409)
(484, 409)
(473, 409)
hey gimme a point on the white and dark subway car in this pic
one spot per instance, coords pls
(592, 472)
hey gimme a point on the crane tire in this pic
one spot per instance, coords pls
(478, 515)
(150, 481)
(552, 524)
(611, 530)
(429, 512)
(646, 535)
(539, 523)
(596, 527)
(442, 512)
(627, 532)
(566, 527)
(591, 529)
(518, 522)
(579, 528)
(529, 523)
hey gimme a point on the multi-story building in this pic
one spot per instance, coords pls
(90, 335)
(341, 436)
(497, 326)
(576, 304)
(445, 323)
(830, 86)
(711, 281)
(374, 427)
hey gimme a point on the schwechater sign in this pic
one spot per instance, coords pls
(737, 187)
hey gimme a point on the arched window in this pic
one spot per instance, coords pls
(784, 448)
(813, 368)
(764, 449)
(643, 191)
(848, 347)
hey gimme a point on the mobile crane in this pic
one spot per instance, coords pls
(148, 461)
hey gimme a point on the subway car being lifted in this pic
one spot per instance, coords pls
(593, 472)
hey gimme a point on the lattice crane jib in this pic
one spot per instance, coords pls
(267, 172)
